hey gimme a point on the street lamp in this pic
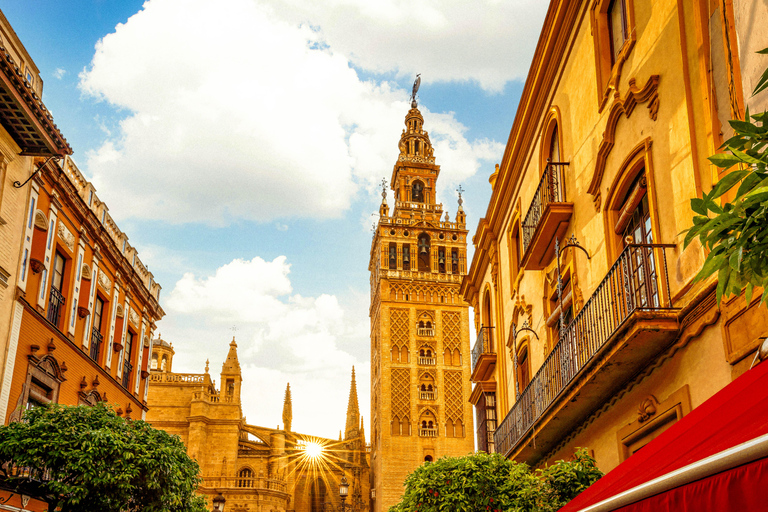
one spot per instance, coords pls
(218, 503)
(343, 490)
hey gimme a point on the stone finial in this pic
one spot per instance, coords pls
(287, 409)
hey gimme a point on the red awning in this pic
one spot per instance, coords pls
(734, 417)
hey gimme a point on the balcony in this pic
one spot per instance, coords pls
(426, 395)
(547, 217)
(428, 432)
(483, 355)
(425, 331)
(623, 326)
(55, 305)
(426, 361)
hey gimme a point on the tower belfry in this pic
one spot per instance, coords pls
(420, 357)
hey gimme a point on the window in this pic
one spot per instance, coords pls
(417, 192)
(153, 365)
(454, 261)
(127, 366)
(613, 29)
(392, 256)
(635, 219)
(96, 337)
(317, 496)
(523, 368)
(44, 377)
(441, 259)
(245, 478)
(485, 411)
(406, 257)
(56, 299)
(424, 253)
(617, 27)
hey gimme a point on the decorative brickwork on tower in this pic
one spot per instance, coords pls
(420, 357)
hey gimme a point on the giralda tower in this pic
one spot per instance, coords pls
(420, 356)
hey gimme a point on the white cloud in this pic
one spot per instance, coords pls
(282, 337)
(489, 42)
(236, 113)
(59, 73)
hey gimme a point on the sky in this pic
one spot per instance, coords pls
(240, 145)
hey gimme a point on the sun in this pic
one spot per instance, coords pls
(313, 450)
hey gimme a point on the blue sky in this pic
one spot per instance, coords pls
(239, 145)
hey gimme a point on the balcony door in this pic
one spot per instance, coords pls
(638, 234)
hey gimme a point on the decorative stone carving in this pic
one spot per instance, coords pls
(647, 409)
(133, 317)
(105, 282)
(86, 271)
(66, 236)
(41, 221)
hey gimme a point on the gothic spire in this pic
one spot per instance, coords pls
(353, 410)
(287, 409)
(231, 365)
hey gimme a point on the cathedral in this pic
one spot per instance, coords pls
(256, 469)
(420, 362)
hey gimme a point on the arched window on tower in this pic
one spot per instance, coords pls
(455, 261)
(424, 253)
(406, 257)
(153, 366)
(417, 192)
(392, 256)
(441, 259)
(164, 363)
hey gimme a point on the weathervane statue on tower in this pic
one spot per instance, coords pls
(416, 84)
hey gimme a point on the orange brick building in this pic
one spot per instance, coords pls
(77, 306)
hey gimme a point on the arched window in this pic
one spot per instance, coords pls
(393, 256)
(406, 257)
(154, 361)
(317, 496)
(523, 368)
(428, 458)
(164, 363)
(424, 253)
(245, 478)
(417, 192)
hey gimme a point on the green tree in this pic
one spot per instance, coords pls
(481, 482)
(736, 233)
(89, 458)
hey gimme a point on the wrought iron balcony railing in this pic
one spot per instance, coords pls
(55, 305)
(483, 345)
(633, 283)
(550, 190)
(96, 339)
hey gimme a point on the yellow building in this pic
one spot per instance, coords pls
(256, 469)
(591, 331)
(420, 356)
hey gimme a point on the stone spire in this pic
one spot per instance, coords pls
(231, 379)
(231, 365)
(287, 409)
(353, 410)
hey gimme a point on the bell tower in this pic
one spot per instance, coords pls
(420, 356)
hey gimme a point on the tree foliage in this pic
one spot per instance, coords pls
(89, 458)
(483, 482)
(736, 232)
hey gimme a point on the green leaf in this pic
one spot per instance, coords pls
(735, 260)
(726, 183)
(724, 160)
(699, 206)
